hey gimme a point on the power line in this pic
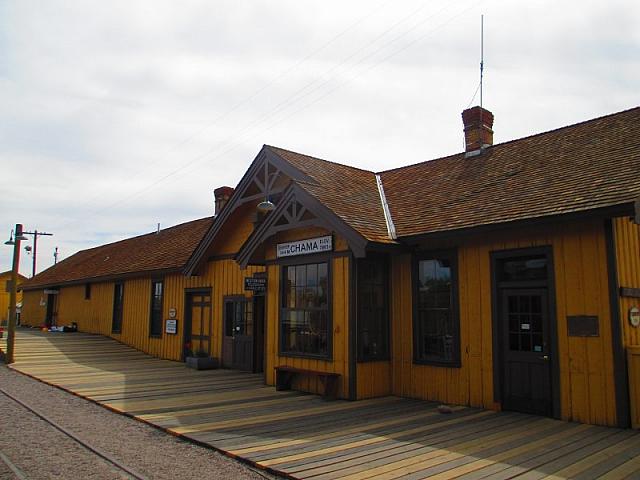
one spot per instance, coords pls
(255, 94)
(292, 100)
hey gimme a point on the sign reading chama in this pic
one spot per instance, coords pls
(305, 247)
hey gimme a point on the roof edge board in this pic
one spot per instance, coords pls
(325, 216)
(626, 209)
(391, 228)
(264, 155)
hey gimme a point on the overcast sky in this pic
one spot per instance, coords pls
(116, 116)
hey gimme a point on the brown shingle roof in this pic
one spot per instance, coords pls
(167, 250)
(351, 193)
(581, 167)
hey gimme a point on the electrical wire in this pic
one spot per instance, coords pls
(297, 96)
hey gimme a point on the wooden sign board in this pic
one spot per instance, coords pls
(305, 247)
(255, 284)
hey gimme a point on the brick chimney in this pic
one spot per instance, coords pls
(222, 196)
(478, 133)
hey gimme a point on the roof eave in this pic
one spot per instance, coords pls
(627, 209)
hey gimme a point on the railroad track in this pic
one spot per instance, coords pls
(127, 472)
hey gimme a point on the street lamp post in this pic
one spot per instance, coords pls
(13, 294)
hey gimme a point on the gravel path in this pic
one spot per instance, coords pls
(42, 452)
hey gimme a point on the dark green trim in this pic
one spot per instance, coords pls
(353, 333)
(619, 361)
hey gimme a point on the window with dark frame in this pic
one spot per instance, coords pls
(238, 316)
(155, 320)
(87, 291)
(118, 303)
(373, 309)
(436, 323)
(304, 319)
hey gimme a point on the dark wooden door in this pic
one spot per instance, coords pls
(52, 310)
(197, 339)
(526, 355)
(238, 334)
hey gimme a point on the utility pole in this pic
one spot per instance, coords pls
(35, 234)
(13, 294)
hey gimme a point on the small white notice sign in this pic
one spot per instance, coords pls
(171, 326)
(305, 247)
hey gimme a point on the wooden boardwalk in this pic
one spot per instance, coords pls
(302, 436)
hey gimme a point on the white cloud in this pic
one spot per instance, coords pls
(118, 115)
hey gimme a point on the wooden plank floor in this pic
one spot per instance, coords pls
(302, 436)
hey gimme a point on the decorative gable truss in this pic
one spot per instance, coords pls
(267, 178)
(299, 209)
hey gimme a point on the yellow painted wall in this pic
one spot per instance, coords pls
(585, 363)
(339, 363)
(95, 315)
(374, 379)
(34, 308)
(627, 238)
(633, 363)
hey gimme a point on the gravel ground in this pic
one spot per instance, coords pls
(42, 452)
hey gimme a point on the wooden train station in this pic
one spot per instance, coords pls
(504, 278)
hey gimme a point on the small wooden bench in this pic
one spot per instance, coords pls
(285, 375)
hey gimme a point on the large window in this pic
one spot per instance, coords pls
(373, 310)
(436, 323)
(155, 321)
(304, 320)
(118, 302)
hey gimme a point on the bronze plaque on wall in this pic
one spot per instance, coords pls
(583, 326)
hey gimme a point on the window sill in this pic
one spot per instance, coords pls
(436, 363)
(311, 356)
(157, 335)
(374, 359)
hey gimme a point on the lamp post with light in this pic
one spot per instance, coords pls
(13, 294)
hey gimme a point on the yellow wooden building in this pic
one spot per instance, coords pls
(504, 277)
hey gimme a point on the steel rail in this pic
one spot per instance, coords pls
(105, 456)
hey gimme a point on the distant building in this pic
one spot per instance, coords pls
(501, 277)
(5, 290)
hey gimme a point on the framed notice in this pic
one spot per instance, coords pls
(305, 247)
(171, 326)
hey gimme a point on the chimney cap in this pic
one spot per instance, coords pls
(472, 116)
(222, 191)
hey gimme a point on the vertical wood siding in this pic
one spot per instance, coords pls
(94, 315)
(374, 379)
(633, 362)
(33, 313)
(627, 238)
(585, 363)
